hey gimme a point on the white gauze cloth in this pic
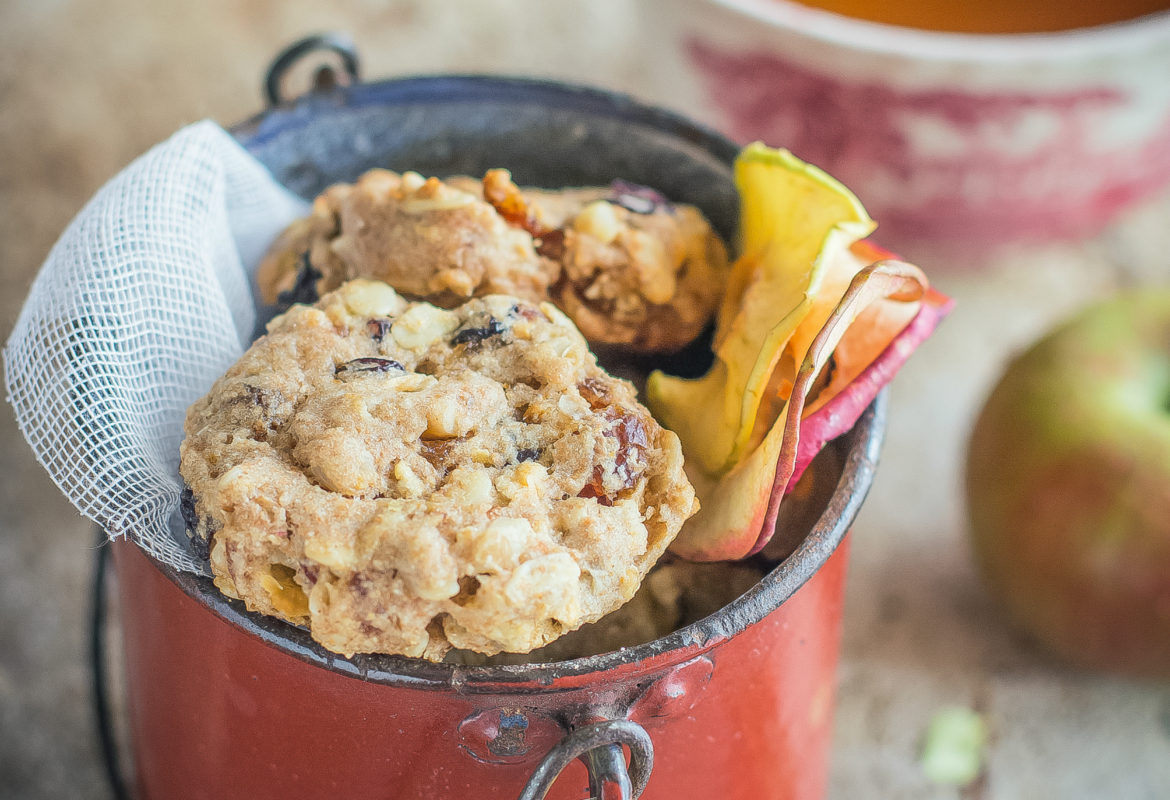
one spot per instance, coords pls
(145, 300)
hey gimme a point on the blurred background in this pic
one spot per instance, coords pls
(86, 86)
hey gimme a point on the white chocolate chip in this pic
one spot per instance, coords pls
(456, 281)
(412, 181)
(408, 481)
(330, 551)
(422, 325)
(477, 487)
(410, 382)
(443, 418)
(548, 583)
(501, 544)
(652, 266)
(599, 220)
(555, 315)
(531, 474)
(366, 298)
(231, 478)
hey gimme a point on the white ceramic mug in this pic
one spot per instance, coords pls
(959, 138)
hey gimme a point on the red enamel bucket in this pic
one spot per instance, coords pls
(226, 704)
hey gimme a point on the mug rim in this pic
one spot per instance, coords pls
(862, 442)
(1122, 38)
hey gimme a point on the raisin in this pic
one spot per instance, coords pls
(272, 405)
(359, 584)
(266, 399)
(637, 198)
(525, 312)
(474, 336)
(370, 364)
(505, 197)
(378, 328)
(551, 244)
(595, 392)
(436, 452)
(468, 586)
(528, 454)
(200, 546)
(304, 288)
(596, 489)
(632, 439)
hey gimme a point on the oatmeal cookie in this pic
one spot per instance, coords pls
(426, 238)
(635, 270)
(405, 479)
(629, 268)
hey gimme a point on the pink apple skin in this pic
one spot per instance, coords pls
(1068, 487)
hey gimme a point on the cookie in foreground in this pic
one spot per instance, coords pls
(403, 478)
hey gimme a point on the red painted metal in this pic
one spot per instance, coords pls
(224, 705)
(217, 713)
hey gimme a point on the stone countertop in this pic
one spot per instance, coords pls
(85, 87)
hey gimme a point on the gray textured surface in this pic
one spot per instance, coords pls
(919, 631)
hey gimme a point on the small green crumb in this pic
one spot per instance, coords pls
(952, 750)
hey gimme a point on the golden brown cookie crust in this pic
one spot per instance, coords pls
(643, 281)
(426, 238)
(403, 478)
(646, 277)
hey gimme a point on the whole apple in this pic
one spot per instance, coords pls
(1068, 487)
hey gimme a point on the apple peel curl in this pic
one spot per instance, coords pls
(740, 507)
(832, 416)
(796, 226)
(806, 289)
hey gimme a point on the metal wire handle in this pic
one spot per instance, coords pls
(338, 43)
(599, 746)
(99, 686)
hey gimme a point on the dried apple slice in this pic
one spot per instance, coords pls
(794, 220)
(856, 380)
(739, 507)
(804, 290)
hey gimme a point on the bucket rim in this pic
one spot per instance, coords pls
(862, 443)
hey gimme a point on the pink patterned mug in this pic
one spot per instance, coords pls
(966, 139)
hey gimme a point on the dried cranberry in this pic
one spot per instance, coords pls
(637, 198)
(437, 452)
(200, 546)
(263, 397)
(378, 328)
(509, 203)
(632, 439)
(596, 489)
(551, 244)
(369, 364)
(595, 392)
(525, 312)
(474, 336)
(304, 288)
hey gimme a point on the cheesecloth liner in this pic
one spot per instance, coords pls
(144, 301)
